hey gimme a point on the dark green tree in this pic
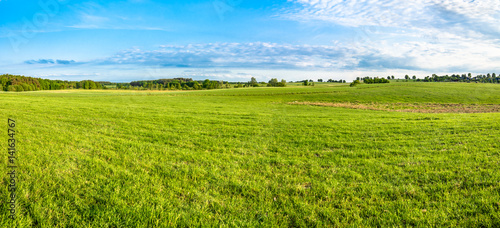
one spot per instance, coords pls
(273, 82)
(253, 82)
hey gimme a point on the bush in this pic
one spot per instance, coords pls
(354, 83)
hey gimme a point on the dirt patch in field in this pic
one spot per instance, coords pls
(407, 107)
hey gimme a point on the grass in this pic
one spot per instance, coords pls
(246, 157)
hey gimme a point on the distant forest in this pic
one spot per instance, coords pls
(18, 83)
(173, 84)
(190, 84)
(488, 78)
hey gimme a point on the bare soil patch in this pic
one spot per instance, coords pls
(408, 107)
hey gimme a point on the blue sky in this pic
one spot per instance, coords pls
(238, 39)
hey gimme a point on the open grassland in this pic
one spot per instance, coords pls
(251, 157)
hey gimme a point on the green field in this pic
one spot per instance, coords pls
(256, 157)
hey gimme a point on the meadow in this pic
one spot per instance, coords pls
(324, 156)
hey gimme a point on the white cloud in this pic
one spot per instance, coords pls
(395, 13)
(458, 56)
(465, 18)
(250, 55)
(429, 35)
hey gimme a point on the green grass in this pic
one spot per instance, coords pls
(245, 157)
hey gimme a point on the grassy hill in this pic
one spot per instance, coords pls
(398, 154)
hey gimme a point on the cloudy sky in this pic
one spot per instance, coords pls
(237, 39)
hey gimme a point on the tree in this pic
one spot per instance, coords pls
(93, 85)
(414, 77)
(25, 87)
(306, 83)
(320, 80)
(253, 82)
(273, 82)
(388, 77)
(407, 77)
(368, 80)
(206, 83)
(86, 85)
(196, 85)
(392, 77)
(18, 88)
(282, 83)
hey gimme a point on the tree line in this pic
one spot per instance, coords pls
(18, 83)
(369, 80)
(171, 84)
(190, 84)
(488, 78)
(481, 78)
(375, 80)
(310, 82)
(331, 80)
